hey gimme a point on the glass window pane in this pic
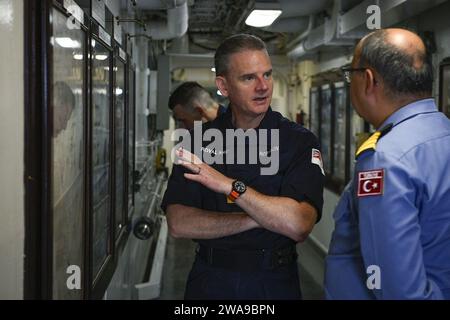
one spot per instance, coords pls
(131, 137)
(340, 99)
(357, 135)
(325, 126)
(67, 158)
(314, 111)
(119, 123)
(101, 155)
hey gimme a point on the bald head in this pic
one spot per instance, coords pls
(399, 56)
(409, 43)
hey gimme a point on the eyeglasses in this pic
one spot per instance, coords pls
(348, 71)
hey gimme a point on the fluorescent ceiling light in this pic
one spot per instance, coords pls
(114, 69)
(78, 56)
(67, 43)
(262, 18)
(100, 91)
(101, 57)
(213, 69)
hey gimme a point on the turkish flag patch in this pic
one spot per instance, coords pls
(370, 183)
(316, 158)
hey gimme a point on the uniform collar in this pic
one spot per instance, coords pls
(221, 110)
(410, 110)
(268, 122)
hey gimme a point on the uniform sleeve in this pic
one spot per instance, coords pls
(344, 276)
(181, 190)
(303, 180)
(390, 232)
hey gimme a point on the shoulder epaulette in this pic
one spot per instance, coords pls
(371, 143)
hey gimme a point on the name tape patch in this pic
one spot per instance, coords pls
(370, 183)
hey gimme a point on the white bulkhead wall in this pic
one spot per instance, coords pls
(12, 149)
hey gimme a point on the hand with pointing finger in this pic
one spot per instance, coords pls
(203, 173)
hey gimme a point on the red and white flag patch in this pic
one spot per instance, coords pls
(370, 183)
(316, 158)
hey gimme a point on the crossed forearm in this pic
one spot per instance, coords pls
(279, 214)
(282, 215)
(194, 223)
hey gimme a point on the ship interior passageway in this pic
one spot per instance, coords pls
(180, 256)
(88, 129)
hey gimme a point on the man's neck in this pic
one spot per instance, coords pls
(393, 106)
(217, 113)
(241, 121)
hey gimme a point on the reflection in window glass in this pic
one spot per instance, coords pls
(314, 111)
(325, 126)
(131, 137)
(339, 132)
(67, 158)
(356, 137)
(119, 123)
(101, 98)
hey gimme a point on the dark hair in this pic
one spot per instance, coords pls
(235, 44)
(189, 92)
(396, 67)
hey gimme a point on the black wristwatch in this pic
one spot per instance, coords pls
(238, 188)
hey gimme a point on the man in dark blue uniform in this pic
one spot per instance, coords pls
(191, 102)
(392, 233)
(246, 223)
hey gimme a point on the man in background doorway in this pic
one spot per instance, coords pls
(191, 102)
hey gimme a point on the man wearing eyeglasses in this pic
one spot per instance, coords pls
(392, 231)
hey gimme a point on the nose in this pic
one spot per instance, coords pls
(262, 84)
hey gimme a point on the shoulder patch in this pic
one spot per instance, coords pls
(316, 158)
(370, 183)
(371, 143)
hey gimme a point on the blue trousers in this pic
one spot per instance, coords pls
(210, 283)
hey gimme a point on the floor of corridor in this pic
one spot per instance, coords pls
(179, 259)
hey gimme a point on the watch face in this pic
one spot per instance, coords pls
(239, 186)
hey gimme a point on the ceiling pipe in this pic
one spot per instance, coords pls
(295, 24)
(158, 4)
(175, 26)
(137, 21)
(304, 34)
(324, 35)
(244, 15)
(296, 8)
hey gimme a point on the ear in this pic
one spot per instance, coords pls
(200, 110)
(371, 82)
(221, 84)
